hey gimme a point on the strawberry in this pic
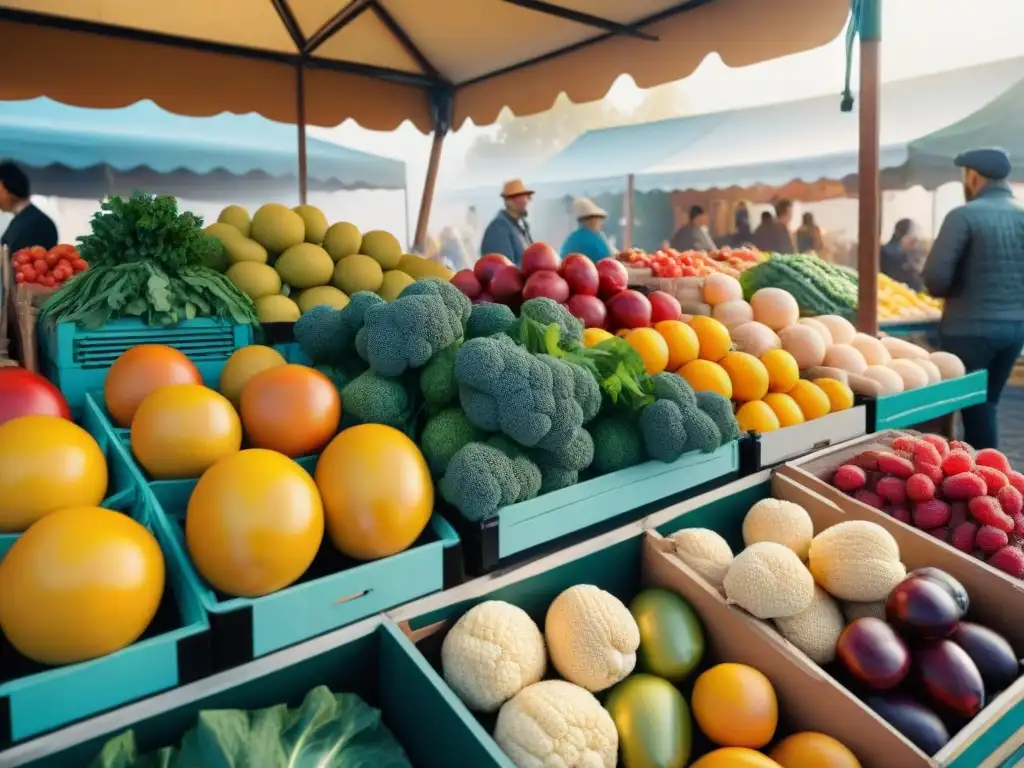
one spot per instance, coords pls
(892, 489)
(990, 457)
(870, 498)
(920, 488)
(939, 442)
(849, 478)
(908, 455)
(964, 536)
(1011, 500)
(1010, 560)
(932, 471)
(990, 539)
(931, 514)
(987, 511)
(926, 453)
(957, 513)
(899, 512)
(895, 465)
(960, 445)
(963, 486)
(1016, 480)
(942, 534)
(957, 462)
(865, 460)
(994, 479)
(904, 443)
(1018, 524)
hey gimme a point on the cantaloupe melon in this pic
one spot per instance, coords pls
(950, 366)
(930, 368)
(842, 330)
(732, 313)
(902, 349)
(804, 344)
(755, 338)
(872, 349)
(768, 581)
(775, 308)
(914, 376)
(720, 288)
(820, 328)
(846, 357)
(856, 560)
(890, 381)
(816, 630)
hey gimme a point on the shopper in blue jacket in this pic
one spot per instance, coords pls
(588, 239)
(508, 233)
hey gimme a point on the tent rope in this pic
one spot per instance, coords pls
(852, 33)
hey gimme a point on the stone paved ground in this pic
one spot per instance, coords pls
(1011, 425)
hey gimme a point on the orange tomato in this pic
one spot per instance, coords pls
(79, 584)
(652, 348)
(735, 706)
(139, 371)
(377, 491)
(254, 523)
(291, 409)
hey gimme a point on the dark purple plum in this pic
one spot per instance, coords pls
(991, 653)
(913, 719)
(922, 608)
(956, 590)
(950, 678)
(873, 653)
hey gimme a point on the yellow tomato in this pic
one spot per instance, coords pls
(594, 336)
(79, 584)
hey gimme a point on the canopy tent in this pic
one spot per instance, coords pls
(76, 152)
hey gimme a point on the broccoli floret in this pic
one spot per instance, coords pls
(489, 319)
(437, 378)
(555, 479)
(671, 386)
(479, 481)
(406, 333)
(327, 335)
(661, 424)
(701, 431)
(618, 444)
(374, 399)
(719, 409)
(568, 416)
(503, 388)
(547, 311)
(335, 374)
(587, 392)
(443, 435)
(576, 456)
(527, 473)
(455, 300)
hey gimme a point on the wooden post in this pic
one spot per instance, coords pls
(869, 187)
(300, 120)
(627, 213)
(442, 103)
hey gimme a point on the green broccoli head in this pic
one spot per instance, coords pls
(719, 409)
(437, 378)
(672, 386)
(577, 455)
(586, 391)
(503, 388)
(547, 311)
(327, 336)
(618, 444)
(701, 431)
(527, 473)
(443, 436)
(374, 399)
(455, 300)
(479, 481)
(406, 333)
(661, 424)
(568, 416)
(489, 319)
(555, 479)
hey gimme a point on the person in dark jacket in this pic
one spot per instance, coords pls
(508, 233)
(30, 226)
(895, 259)
(977, 265)
(808, 237)
(741, 235)
(773, 236)
(694, 235)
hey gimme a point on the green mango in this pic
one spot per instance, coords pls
(653, 721)
(671, 634)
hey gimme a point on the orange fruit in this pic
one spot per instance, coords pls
(840, 396)
(785, 408)
(290, 409)
(813, 750)
(254, 523)
(47, 463)
(594, 336)
(623, 332)
(783, 372)
(683, 345)
(705, 376)
(735, 706)
(377, 491)
(748, 375)
(735, 757)
(652, 348)
(80, 583)
(181, 430)
(139, 371)
(712, 336)
(757, 416)
(811, 398)
(243, 364)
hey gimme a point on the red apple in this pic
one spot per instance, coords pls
(537, 257)
(612, 278)
(664, 306)
(465, 280)
(548, 284)
(590, 309)
(581, 275)
(486, 266)
(506, 284)
(630, 309)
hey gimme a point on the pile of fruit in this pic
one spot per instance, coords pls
(844, 598)
(48, 268)
(496, 660)
(897, 301)
(672, 263)
(289, 260)
(972, 500)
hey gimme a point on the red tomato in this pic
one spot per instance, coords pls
(51, 258)
(23, 393)
(21, 257)
(37, 251)
(63, 263)
(79, 265)
(47, 281)
(19, 277)
(28, 272)
(41, 266)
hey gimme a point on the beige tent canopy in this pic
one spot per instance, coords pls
(379, 62)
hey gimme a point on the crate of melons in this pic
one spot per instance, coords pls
(93, 612)
(285, 527)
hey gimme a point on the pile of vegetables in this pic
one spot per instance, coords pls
(147, 260)
(504, 408)
(819, 288)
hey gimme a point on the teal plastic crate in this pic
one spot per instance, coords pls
(555, 518)
(932, 402)
(334, 592)
(175, 650)
(291, 352)
(372, 659)
(77, 359)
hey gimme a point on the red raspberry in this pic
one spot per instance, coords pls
(899, 512)
(1008, 559)
(849, 478)
(939, 442)
(942, 534)
(1016, 480)
(931, 514)
(904, 443)
(957, 513)
(990, 539)
(1010, 499)
(926, 453)
(894, 465)
(994, 479)
(963, 486)
(987, 511)
(870, 498)
(960, 445)
(964, 536)
(990, 457)
(920, 488)
(892, 489)
(957, 462)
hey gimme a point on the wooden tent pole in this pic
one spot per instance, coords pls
(869, 192)
(627, 209)
(442, 102)
(301, 123)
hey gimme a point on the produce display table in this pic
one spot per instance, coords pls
(918, 406)
(759, 452)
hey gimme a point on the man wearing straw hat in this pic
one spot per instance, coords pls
(508, 233)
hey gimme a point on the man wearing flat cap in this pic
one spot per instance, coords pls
(508, 233)
(977, 265)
